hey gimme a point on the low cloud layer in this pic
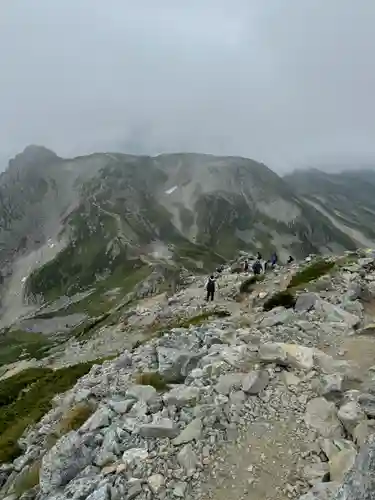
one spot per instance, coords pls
(287, 82)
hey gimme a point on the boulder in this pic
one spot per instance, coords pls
(362, 432)
(359, 482)
(161, 428)
(306, 302)
(340, 463)
(156, 483)
(255, 382)
(351, 414)
(182, 395)
(331, 385)
(134, 455)
(321, 416)
(145, 393)
(192, 431)
(277, 317)
(64, 461)
(292, 355)
(187, 459)
(229, 382)
(367, 402)
(333, 313)
(101, 418)
(175, 364)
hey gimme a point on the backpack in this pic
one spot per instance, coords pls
(210, 285)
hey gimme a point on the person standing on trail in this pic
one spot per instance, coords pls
(259, 256)
(274, 259)
(257, 267)
(246, 266)
(210, 288)
(290, 259)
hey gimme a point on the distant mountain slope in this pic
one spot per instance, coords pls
(103, 215)
(347, 198)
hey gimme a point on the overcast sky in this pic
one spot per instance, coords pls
(288, 82)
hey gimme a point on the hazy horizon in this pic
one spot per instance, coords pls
(286, 83)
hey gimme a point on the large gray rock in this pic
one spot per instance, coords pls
(145, 393)
(340, 463)
(359, 483)
(101, 418)
(182, 395)
(321, 415)
(351, 414)
(255, 382)
(161, 428)
(333, 313)
(188, 459)
(292, 355)
(362, 432)
(367, 402)
(229, 382)
(175, 364)
(192, 431)
(331, 385)
(64, 461)
(306, 302)
(277, 317)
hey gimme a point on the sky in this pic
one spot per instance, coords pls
(287, 82)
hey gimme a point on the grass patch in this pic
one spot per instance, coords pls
(74, 418)
(28, 398)
(311, 273)
(201, 318)
(28, 479)
(154, 379)
(17, 343)
(247, 285)
(283, 298)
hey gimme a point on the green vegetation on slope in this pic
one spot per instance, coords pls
(26, 397)
(14, 343)
(311, 272)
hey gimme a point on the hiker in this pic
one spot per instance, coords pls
(259, 256)
(274, 259)
(290, 259)
(246, 266)
(210, 288)
(266, 265)
(257, 267)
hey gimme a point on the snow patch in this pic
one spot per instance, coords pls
(170, 191)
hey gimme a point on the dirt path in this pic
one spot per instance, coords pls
(261, 466)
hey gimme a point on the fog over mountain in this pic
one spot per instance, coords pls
(287, 83)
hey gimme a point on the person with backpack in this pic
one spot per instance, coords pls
(257, 267)
(246, 266)
(290, 259)
(210, 288)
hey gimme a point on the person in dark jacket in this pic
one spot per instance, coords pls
(274, 259)
(257, 267)
(246, 266)
(290, 259)
(259, 256)
(210, 288)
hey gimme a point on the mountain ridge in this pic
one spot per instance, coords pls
(82, 221)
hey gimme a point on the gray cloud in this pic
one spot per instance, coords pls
(287, 82)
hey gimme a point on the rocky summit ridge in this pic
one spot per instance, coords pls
(267, 394)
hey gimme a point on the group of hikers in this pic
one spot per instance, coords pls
(257, 268)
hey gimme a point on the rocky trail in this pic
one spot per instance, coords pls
(255, 405)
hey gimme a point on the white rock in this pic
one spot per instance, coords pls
(321, 415)
(156, 483)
